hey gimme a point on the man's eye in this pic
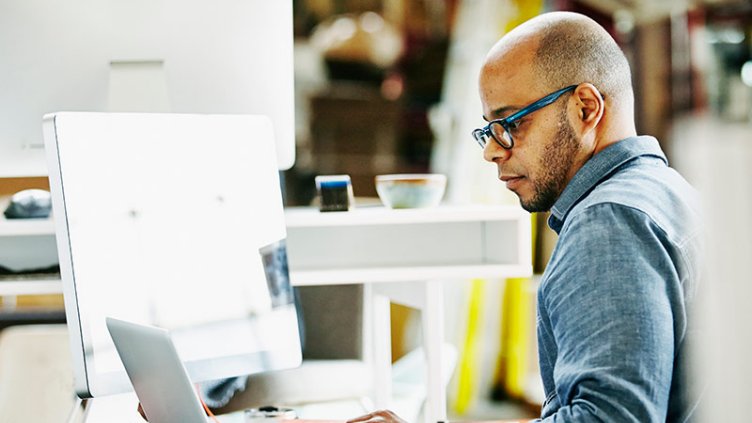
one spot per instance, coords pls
(515, 124)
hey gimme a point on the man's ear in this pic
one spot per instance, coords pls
(590, 106)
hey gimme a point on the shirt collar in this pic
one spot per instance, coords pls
(600, 166)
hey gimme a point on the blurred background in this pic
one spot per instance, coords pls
(390, 86)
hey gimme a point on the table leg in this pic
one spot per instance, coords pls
(427, 297)
(432, 319)
(381, 358)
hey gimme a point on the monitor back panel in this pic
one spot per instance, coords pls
(175, 221)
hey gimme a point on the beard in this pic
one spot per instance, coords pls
(556, 161)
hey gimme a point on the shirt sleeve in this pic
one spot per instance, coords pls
(607, 302)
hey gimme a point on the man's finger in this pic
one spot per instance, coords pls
(384, 416)
(363, 418)
(141, 412)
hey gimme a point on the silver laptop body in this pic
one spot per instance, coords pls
(156, 372)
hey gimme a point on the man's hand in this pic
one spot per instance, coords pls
(386, 416)
(141, 411)
(381, 416)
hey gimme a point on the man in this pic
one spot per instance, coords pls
(613, 305)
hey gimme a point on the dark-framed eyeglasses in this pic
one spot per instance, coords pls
(501, 129)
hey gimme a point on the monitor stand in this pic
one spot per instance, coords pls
(79, 411)
(138, 86)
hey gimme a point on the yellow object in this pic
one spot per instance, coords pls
(515, 332)
(468, 371)
(400, 317)
(526, 9)
(49, 301)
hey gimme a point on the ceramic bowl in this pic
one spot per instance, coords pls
(409, 191)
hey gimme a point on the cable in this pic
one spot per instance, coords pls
(206, 407)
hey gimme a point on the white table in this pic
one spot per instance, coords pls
(400, 256)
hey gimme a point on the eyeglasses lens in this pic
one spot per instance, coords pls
(502, 136)
(480, 137)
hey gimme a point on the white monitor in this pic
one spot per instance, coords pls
(182, 56)
(174, 221)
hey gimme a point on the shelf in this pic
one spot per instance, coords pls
(376, 244)
(369, 244)
(26, 227)
(370, 275)
(21, 162)
(297, 217)
(10, 287)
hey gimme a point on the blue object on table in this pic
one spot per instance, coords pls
(335, 192)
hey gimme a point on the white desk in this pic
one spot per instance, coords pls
(121, 408)
(401, 256)
(385, 248)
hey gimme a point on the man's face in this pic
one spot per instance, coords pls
(546, 147)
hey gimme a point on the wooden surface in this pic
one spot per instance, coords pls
(9, 186)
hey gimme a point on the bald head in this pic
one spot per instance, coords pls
(547, 145)
(562, 49)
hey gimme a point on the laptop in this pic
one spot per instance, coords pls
(158, 375)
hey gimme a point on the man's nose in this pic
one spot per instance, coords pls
(493, 152)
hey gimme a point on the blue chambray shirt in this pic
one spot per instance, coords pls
(613, 322)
